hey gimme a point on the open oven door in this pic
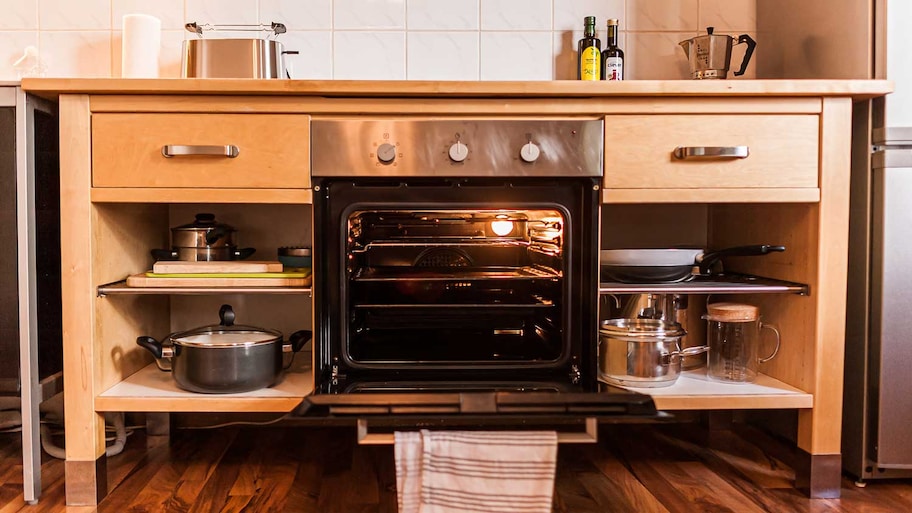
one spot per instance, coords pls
(380, 407)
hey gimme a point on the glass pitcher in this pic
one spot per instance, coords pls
(733, 336)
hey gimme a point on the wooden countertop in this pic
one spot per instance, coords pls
(858, 89)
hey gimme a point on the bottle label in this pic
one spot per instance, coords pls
(614, 68)
(590, 65)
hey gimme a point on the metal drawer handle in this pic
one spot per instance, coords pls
(177, 150)
(729, 152)
(590, 435)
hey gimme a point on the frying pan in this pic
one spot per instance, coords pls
(668, 265)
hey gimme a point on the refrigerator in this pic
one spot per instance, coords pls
(877, 412)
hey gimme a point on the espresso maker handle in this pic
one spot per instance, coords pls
(751, 44)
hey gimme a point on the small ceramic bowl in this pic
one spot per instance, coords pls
(295, 256)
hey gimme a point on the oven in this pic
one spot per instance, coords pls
(455, 268)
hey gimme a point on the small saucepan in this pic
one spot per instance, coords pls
(203, 240)
(668, 265)
(226, 358)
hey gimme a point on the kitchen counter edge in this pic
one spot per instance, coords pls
(858, 89)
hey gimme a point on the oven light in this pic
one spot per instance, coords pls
(502, 227)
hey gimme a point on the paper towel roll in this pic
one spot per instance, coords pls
(141, 46)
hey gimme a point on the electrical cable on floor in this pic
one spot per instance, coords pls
(239, 423)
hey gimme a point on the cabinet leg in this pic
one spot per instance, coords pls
(158, 429)
(86, 481)
(819, 475)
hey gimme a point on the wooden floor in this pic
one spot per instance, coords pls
(645, 468)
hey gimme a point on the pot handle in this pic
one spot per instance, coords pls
(164, 254)
(707, 260)
(226, 316)
(159, 351)
(295, 342)
(243, 253)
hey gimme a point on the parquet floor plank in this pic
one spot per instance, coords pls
(641, 469)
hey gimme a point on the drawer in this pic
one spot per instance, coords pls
(781, 151)
(272, 150)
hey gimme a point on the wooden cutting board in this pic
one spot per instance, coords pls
(229, 266)
(282, 279)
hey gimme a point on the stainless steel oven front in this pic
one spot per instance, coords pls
(455, 267)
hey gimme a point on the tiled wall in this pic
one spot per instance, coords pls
(382, 39)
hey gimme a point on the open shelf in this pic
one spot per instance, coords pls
(121, 287)
(152, 390)
(716, 284)
(694, 391)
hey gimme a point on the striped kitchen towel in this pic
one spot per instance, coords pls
(475, 471)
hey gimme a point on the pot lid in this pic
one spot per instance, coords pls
(226, 333)
(203, 221)
(641, 329)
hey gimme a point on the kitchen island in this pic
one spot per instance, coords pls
(120, 194)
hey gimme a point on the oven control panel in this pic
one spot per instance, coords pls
(457, 147)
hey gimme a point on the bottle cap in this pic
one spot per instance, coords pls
(589, 20)
(613, 21)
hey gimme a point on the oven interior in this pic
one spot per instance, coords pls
(455, 287)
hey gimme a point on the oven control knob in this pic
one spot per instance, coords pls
(458, 152)
(386, 153)
(530, 152)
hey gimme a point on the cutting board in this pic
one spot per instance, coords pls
(297, 278)
(230, 266)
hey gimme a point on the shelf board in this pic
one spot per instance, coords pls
(694, 391)
(120, 287)
(151, 390)
(721, 284)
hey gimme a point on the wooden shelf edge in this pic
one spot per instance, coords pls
(200, 195)
(693, 391)
(744, 195)
(151, 390)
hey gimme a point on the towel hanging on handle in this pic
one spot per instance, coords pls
(471, 471)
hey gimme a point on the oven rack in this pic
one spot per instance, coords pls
(722, 283)
(455, 273)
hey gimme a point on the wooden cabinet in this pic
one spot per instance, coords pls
(711, 151)
(187, 150)
(121, 196)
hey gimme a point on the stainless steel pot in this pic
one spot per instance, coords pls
(225, 358)
(641, 352)
(203, 240)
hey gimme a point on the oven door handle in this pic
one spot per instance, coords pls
(590, 435)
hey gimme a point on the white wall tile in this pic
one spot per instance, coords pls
(298, 14)
(361, 55)
(442, 14)
(170, 12)
(656, 56)
(669, 15)
(12, 47)
(568, 15)
(314, 59)
(222, 12)
(77, 53)
(70, 15)
(728, 15)
(19, 14)
(370, 14)
(442, 55)
(516, 14)
(516, 56)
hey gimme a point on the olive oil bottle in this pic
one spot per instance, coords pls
(589, 53)
(612, 55)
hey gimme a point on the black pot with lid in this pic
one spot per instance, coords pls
(225, 357)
